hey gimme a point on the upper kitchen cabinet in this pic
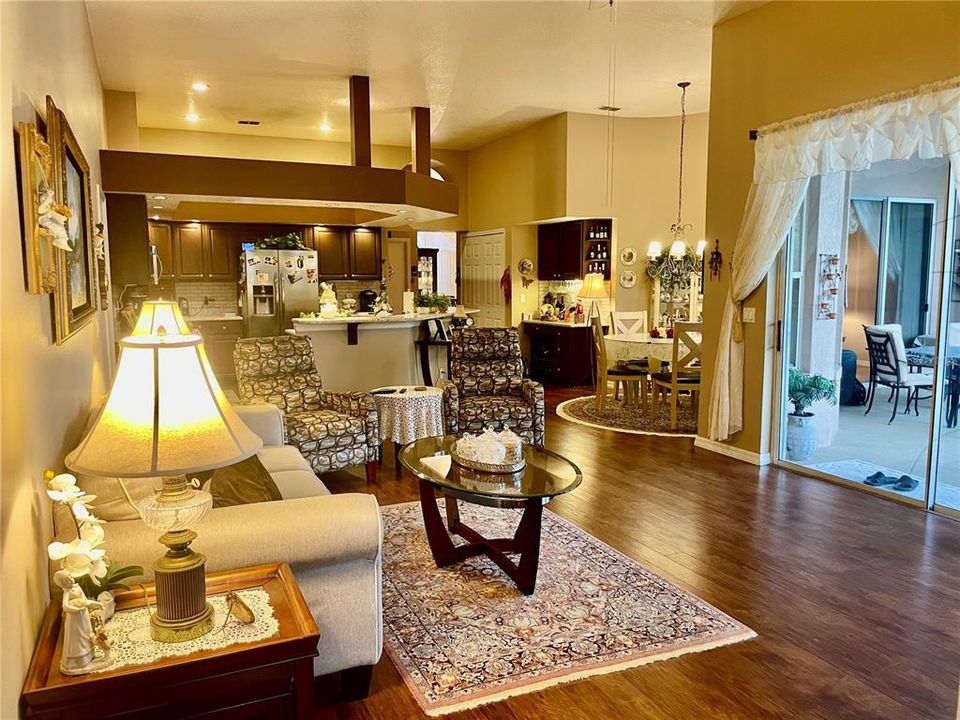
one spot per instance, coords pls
(161, 237)
(333, 257)
(188, 252)
(365, 254)
(559, 251)
(205, 252)
(221, 251)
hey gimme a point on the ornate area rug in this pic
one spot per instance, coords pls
(464, 636)
(634, 420)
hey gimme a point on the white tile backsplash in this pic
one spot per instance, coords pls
(221, 297)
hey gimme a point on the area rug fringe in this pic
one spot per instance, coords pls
(437, 711)
(567, 416)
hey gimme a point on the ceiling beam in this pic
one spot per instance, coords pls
(420, 139)
(360, 152)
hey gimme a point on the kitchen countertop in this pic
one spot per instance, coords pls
(358, 319)
(556, 323)
(221, 317)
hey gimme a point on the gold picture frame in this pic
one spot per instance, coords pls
(75, 298)
(37, 198)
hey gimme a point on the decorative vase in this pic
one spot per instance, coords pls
(106, 599)
(801, 436)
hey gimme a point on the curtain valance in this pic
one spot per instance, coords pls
(924, 122)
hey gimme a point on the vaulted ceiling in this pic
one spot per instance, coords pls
(484, 68)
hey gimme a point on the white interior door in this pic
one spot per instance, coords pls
(480, 271)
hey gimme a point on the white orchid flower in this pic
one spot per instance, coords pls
(63, 488)
(83, 514)
(92, 534)
(79, 558)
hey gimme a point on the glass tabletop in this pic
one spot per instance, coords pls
(546, 473)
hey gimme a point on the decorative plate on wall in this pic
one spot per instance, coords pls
(525, 266)
(628, 256)
(628, 278)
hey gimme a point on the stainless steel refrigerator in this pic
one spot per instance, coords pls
(276, 286)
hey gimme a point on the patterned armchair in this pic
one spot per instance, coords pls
(333, 430)
(487, 387)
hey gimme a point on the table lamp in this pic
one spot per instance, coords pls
(166, 416)
(592, 289)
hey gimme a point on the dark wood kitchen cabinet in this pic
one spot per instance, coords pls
(560, 251)
(221, 249)
(365, 254)
(219, 338)
(188, 252)
(560, 353)
(333, 259)
(161, 237)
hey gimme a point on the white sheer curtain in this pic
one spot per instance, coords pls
(924, 122)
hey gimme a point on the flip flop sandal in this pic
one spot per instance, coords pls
(878, 479)
(905, 484)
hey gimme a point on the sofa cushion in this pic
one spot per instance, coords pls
(282, 457)
(242, 483)
(298, 484)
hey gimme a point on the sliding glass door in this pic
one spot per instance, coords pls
(863, 371)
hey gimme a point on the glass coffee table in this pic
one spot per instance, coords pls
(545, 476)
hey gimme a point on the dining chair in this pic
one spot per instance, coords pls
(684, 371)
(631, 323)
(631, 377)
(889, 367)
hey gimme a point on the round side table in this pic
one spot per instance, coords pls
(408, 413)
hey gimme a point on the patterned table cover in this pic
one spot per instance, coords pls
(412, 415)
(633, 347)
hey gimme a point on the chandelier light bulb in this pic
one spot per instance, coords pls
(678, 248)
(701, 247)
(655, 249)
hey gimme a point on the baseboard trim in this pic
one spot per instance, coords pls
(736, 453)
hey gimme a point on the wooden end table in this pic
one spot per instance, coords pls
(270, 678)
(546, 475)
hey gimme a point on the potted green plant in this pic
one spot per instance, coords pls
(422, 302)
(441, 302)
(803, 390)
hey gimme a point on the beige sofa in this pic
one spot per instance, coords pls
(333, 543)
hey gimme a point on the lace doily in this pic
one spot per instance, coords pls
(131, 644)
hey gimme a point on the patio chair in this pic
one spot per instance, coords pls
(889, 367)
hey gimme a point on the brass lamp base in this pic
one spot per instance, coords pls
(183, 612)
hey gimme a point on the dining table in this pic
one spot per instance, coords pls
(635, 346)
(924, 357)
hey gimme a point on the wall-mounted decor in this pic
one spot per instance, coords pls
(525, 266)
(75, 300)
(716, 260)
(42, 219)
(628, 256)
(628, 279)
(830, 276)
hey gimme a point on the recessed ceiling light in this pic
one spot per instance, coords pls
(159, 197)
(158, 207)
(200, 86)
(325, 127)
(154, 217)
(191, 117)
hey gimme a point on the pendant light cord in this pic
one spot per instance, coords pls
(683, 125)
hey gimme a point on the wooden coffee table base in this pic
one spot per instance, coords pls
(526, 541)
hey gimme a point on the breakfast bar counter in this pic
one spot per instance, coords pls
(361, 352)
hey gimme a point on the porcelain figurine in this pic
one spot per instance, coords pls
(82, 651)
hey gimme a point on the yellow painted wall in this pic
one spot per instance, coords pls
(779, 61)
(189, 142)
(645, 174)
(518, 179)
(46, 390)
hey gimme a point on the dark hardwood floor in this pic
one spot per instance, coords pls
(854, 598)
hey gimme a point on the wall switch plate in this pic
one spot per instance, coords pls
(749, 314)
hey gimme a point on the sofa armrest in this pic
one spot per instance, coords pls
(304, 532)
(532, 394)
(451, 405)
(360, 405)
(265, 420)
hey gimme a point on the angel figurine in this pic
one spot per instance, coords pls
(82, 651)
(52, 218)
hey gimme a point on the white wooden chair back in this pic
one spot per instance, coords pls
(683, 342)
(629, 323)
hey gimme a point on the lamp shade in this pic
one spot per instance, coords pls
(593, 287)
(655, 249)
(165, 415)
(159, 317)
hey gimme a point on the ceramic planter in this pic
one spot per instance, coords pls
(801, 437)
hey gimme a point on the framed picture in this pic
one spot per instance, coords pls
(38, 212)
(75, 299)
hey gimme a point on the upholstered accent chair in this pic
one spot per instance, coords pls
(486, 387)
(333, 430)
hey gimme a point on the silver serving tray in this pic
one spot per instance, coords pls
(504, 469)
